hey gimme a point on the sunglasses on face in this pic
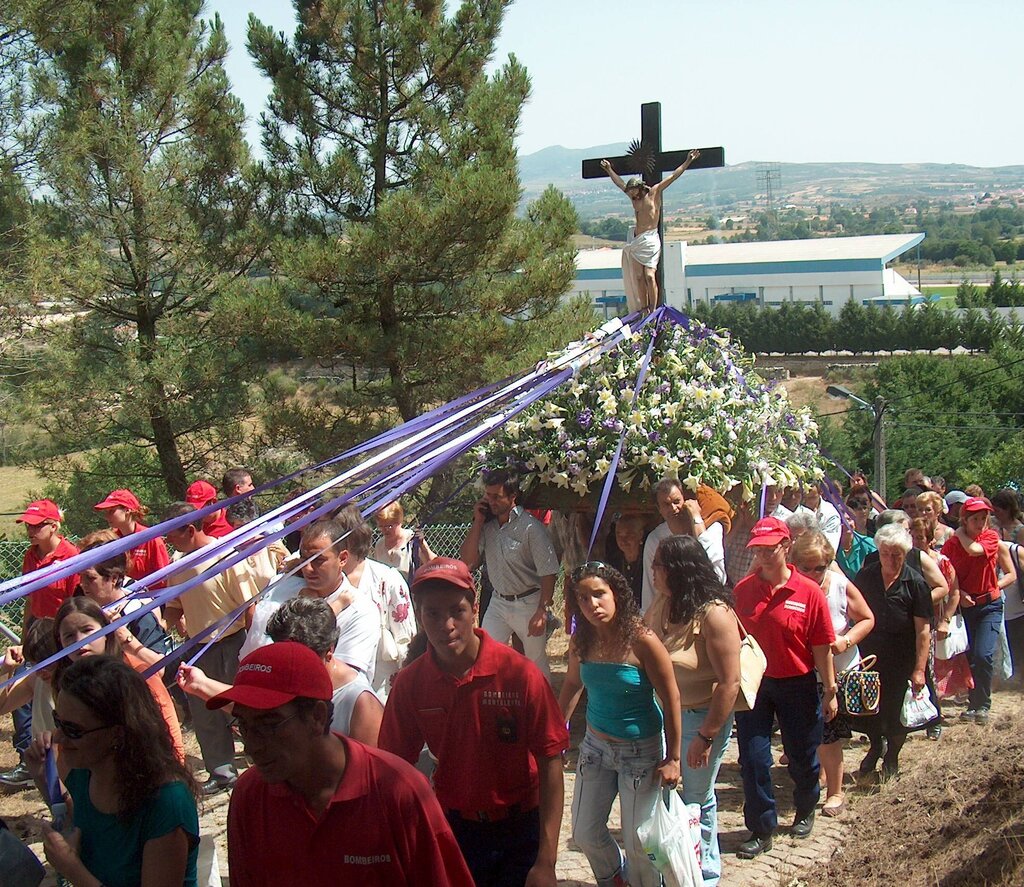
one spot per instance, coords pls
(590, 568)
(818, 570)
(76, 731)
(859, 503)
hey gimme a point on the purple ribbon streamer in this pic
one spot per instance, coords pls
(24, 586)
(610, 479)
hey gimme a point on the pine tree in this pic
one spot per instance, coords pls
(406, 268)
(143, 154)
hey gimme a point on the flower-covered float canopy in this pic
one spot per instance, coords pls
(701, 414)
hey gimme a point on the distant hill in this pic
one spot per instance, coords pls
(801, 183)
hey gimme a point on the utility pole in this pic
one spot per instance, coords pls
(879, 441)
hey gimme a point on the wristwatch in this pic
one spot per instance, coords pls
(708, 742)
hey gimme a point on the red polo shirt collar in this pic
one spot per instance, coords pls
(354, 782)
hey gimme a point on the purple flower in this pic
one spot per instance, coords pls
(609, 423)
(562, 436)
(664, 388)
(591, 443)
(706, 434)
(585, 418)
(654, 437)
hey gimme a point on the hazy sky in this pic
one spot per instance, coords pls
(899, 81)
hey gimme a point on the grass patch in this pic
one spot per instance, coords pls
(16, 486)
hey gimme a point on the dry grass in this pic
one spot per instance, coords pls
(16, 486)
(954, 818)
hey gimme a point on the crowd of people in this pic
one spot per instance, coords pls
(394, 731)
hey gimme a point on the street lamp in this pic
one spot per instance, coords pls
(878, 437)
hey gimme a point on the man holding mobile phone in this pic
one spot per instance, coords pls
(521, 564)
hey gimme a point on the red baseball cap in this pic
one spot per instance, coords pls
(200, 493)
(39, 512)
(119, 499)
(448, 570)
(768, 531)
(276, 674)
(976, 503)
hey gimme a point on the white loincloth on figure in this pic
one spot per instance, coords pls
(644, 250)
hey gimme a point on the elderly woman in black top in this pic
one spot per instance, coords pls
(901, 602)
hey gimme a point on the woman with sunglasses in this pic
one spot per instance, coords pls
(692, 615)
(81, 617)
(855, 543)
(852, 621)
(621, 664)
(133, 802)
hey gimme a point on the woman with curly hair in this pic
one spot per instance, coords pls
(80, 617)
(134, 802)
(692, 615)
(622, 664)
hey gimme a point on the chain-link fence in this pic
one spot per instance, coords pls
(444, 539)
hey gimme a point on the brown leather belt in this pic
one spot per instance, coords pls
(517, 597)
(986, 598)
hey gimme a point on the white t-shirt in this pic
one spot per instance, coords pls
(712, 539)
(358, 623)
(829, 523)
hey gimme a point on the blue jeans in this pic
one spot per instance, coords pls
(699, 788)
(22, 718)
(499, 854)
(983, 636)
(608, 768)
(794, 701)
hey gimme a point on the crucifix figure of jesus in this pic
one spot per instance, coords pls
(643, 249)
(642, 271)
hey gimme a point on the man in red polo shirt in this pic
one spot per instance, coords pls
(489, 717)
(787, 614)
(47, 547)
(201, 493)
(319, 808)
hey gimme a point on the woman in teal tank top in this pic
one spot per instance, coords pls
(133, 804)
(622, 665)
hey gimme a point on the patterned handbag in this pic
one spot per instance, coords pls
(860, 689)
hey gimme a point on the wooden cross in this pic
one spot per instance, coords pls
(646, 159)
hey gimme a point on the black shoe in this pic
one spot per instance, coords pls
(755, 845)
(871, 759)
(803, 826)
(934, 732)
(17, 777)
(890, 771)
(217, 784)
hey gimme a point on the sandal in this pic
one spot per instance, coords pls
(833, 809)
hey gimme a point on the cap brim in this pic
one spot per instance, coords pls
(104, 505)
(32, 519)
(762, 541)
(251, 697)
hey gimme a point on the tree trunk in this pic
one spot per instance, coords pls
(156, 397)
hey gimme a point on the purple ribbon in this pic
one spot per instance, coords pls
(25, 585)
(609, 481)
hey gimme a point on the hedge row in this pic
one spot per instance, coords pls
(794, 328)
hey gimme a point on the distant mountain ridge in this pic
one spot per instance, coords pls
(801, 183)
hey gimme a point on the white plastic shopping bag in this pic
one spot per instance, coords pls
(918, 709)
(954, 643)
(671, 840)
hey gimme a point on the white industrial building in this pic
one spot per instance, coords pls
(829, 271)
